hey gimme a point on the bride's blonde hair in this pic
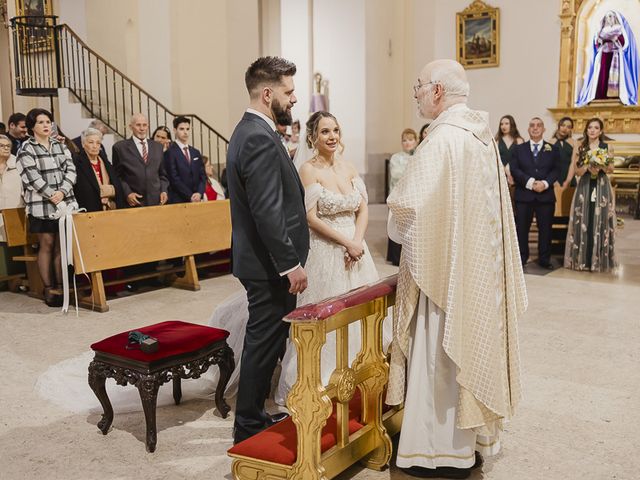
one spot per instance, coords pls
(312, 129)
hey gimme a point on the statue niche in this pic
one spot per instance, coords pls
(598, 75)
(612, 69)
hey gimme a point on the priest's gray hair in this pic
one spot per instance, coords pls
(90, 132)
(451, 75)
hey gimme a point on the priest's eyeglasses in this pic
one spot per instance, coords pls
(419, 85)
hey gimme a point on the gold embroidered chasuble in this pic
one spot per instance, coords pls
(453, 214)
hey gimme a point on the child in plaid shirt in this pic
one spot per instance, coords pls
(48, 175)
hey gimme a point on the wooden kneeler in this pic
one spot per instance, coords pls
(333, 426)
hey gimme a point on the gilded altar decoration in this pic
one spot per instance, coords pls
(478, 36)
(598, 74)
(612, 64)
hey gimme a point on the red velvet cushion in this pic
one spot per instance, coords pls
(174, 338)
(278, 443)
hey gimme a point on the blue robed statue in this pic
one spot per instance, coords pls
(613, 69)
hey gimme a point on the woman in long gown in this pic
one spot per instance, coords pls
(339, 259)
(565, 144)
(590, 238)
(507, 137)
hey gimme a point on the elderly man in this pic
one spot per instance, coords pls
(460, 289)
(139, 165)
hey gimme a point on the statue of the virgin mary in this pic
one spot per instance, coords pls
(613, 69)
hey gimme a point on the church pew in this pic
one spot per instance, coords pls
(335, 425)
(132, 236)
(15, 224)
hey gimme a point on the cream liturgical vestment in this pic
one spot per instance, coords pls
(460, 262)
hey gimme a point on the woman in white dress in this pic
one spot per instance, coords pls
(339, 260)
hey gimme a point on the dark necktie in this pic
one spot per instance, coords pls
(535, 150)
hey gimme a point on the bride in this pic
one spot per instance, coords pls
(339, 261)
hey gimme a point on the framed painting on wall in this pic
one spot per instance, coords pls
(478, 36)
(39, 35)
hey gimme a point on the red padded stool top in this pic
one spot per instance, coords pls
(174, 338)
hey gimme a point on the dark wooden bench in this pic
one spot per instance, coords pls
(185, 350)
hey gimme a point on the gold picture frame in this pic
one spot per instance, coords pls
(478, 36)
(38, 35)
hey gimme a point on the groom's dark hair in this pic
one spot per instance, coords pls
(267, 70)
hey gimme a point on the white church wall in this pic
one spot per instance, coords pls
(526, 82)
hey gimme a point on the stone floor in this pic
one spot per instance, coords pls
(579, 418)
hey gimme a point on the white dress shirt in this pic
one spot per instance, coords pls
(138, 143)
(540, 145)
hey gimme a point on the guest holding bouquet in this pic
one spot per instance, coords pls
(590, 238)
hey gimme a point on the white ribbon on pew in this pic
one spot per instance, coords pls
(66, 230)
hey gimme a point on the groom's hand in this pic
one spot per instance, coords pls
(297, 280)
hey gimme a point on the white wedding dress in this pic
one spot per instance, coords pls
(327, 277)
(65, 384)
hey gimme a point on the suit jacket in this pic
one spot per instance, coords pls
(185, 177)
(270, 234)
(87, 189)
(103, 153)
(148, 179)
(546, 167)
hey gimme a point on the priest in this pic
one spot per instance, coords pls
(460, 289)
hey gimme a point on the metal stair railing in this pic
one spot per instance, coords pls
(49, 56)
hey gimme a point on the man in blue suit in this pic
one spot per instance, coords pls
(535, 168)
(184, 166)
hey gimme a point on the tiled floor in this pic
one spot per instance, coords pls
(579, 418)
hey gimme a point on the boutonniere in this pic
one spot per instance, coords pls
(547, 147)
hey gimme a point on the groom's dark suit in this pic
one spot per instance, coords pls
(270, 236)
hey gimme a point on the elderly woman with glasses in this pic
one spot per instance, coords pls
(97, 187)
(10, 183)
(10, 197)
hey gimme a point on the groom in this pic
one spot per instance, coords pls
(270, 235)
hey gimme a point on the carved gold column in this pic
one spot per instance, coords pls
(308, 404)
(567, 58)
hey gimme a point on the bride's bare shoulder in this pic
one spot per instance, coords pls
(308, 173)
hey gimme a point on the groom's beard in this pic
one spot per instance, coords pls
(281, 115)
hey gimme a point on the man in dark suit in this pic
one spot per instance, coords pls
(139, 165)
(535, 168)
(17, 131)
(270, 235)
(184, 166)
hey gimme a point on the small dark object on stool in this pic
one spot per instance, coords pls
(146, 343)
(188, 350)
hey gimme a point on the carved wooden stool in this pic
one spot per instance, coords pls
(185, 350)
